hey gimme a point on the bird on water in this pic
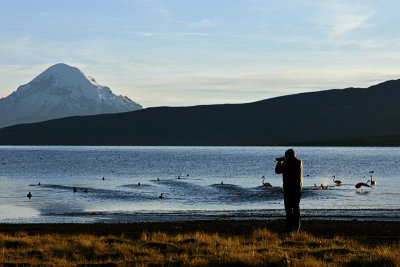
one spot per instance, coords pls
(264, 183)
(337, 182)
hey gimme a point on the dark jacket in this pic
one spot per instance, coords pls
(292, 172)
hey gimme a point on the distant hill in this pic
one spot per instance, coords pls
(58, 92)
(352, 116)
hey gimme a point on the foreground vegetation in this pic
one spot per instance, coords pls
(262, 248)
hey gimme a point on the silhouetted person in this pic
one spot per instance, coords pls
(291, 168)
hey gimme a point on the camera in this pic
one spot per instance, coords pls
(280, 159)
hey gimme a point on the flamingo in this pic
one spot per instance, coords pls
(266, 184)
(373, 182)
(363, 184)
(337, 182)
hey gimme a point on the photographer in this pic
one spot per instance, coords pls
(291, 168)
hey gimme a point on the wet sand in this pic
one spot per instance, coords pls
(367, 232)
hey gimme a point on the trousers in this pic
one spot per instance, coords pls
(292, 209)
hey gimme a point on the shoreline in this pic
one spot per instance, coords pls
(371, 232)
(378, 215)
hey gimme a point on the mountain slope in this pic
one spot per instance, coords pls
(306, 118)
(60, 91)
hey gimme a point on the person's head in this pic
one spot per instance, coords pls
(289, 154)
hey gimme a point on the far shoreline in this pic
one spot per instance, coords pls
(175, 146)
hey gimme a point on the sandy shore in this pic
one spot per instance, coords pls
(368, 232)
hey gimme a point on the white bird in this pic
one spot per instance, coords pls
(315, 187)
(324, 187)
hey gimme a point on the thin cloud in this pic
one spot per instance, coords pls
(196, 24)
(339, 18)
(239, 87)
(174, 34)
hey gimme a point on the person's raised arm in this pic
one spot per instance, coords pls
(278, 167)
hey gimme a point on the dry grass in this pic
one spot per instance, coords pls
(262, 248)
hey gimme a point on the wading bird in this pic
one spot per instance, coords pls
(324, 187)
(265, 184)
(359, 185)
(29, 195)
(373, 182)
(337, 182)
(314, 187)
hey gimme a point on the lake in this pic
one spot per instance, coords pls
(197, 183)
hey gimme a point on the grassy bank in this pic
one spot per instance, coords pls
(256, 247)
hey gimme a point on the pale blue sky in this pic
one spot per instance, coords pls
(186, 52)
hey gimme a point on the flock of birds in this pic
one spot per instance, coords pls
(74, 189)
(264, 184)
(357, 186)
(337, 183)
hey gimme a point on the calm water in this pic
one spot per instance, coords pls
(199, 193)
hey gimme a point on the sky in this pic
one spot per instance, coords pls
(194, 52)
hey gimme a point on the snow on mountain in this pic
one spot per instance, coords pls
(61, 91)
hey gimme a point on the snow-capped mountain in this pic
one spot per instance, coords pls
(61, 91)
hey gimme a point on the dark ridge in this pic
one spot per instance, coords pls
(352, 116)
